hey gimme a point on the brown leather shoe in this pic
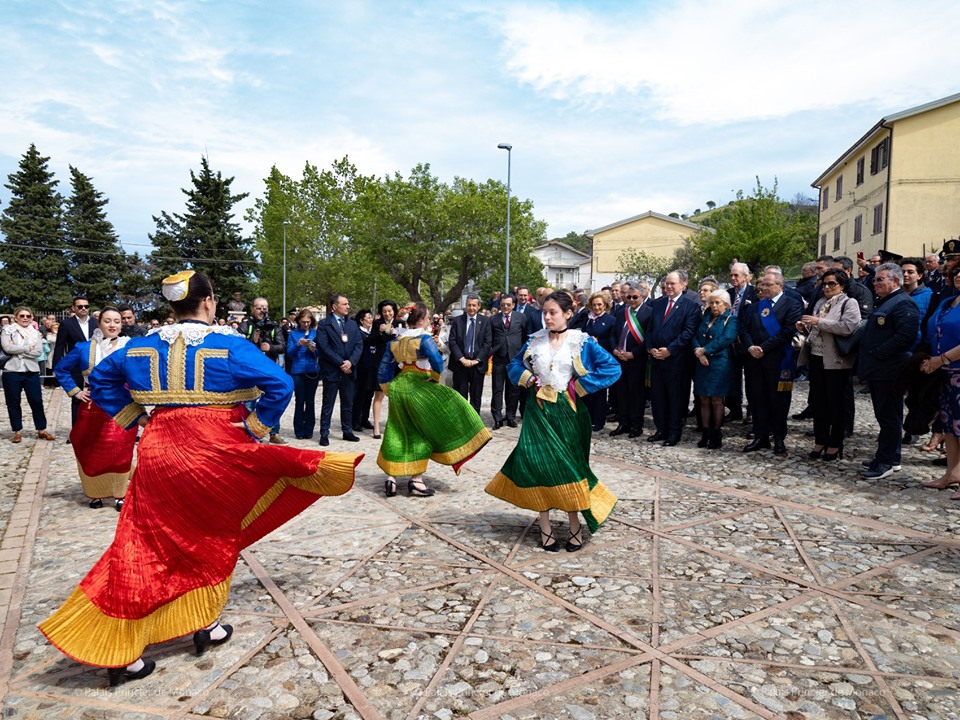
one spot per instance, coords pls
(17, 437)
(277, 440)
(44, 435)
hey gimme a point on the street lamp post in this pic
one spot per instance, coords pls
(285, 223)
(506, 282)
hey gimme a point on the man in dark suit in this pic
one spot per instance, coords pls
(742, 294)
(75, 329)
(673, 324)
(470, 344)
(629, 331)
(339, 344)
(509, 333)
(884, 348)
(129, 320)
(767, 334)
(531, 313)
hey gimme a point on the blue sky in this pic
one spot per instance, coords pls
(612, 108)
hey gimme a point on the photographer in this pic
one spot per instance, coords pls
(269, 337)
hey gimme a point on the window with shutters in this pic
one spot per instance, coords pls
(878, 219)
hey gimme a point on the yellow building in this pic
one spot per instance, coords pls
(898, 187)
(657, 235)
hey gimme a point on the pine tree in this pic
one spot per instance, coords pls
(32, 250)
(205, 238)
(95, 256)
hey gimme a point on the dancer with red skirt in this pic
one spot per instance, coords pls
(203, 490)
(104, 450)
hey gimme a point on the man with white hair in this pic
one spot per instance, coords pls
(742, 295)
(884, 348)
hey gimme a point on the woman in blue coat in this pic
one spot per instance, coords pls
(305, 371)
(713, 374)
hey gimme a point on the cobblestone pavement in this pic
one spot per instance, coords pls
(723, 585)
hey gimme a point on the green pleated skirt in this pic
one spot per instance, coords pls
(550, 466)
(428, 421)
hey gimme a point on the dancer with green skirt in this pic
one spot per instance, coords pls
(426, 420)
(550, 466)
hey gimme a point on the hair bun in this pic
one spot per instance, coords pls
(177, 286)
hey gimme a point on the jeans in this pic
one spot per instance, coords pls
(304, 402)
(29, 383)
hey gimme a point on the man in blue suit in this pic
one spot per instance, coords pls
(673, 324)
(531, 313)
(767, 332)
(339, 344)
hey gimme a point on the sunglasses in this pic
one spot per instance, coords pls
(81, 307)
(633, 297)
(24, 315)
(830, 284)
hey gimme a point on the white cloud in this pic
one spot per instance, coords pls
(696, 61)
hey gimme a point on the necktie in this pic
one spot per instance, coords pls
(736, 303)
(506, 321)
(669, 309)
(470, 332)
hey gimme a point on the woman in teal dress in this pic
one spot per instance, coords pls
(713, 374)
(550, 466)
(426, 420)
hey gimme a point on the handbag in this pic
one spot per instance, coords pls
(848, 345)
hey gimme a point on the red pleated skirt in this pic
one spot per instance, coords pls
(202, 491)
(104, 453)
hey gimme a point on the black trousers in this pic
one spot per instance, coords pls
(769, 406)
(344, 388)
(888, 408)
(670, 395)
(829, 415)
(468, 381)
(631, 393)
(503, 389)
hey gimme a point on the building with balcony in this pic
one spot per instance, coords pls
(563, 266)
(897, 188)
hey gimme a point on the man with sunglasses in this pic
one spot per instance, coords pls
(77, 328)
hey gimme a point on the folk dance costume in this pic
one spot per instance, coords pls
(203, 490)
(104, 450)
(426, 420)
(549, 468)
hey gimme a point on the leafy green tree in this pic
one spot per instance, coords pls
(434, 237)
(638, 264)
(320, 211)
(35, 270)
(758, 230)
(96, 258)
(205, 238)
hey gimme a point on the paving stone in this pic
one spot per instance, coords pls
(802, 590)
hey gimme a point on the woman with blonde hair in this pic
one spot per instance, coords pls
(713, 373)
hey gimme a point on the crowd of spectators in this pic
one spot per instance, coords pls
(737, 345)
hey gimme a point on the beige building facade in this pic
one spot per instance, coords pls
(655, 234)
(897, 188)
